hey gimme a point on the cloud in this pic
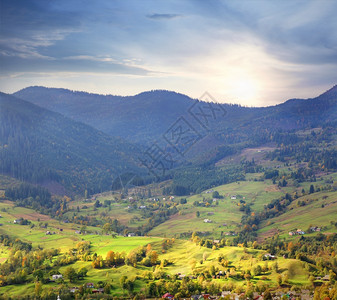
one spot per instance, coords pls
(163, 16)
(273, 46)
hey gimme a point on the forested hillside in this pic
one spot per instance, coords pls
(41, 146)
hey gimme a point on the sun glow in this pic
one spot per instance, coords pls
(245, 89)
(241, 88)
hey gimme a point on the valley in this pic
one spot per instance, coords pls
(251, 209)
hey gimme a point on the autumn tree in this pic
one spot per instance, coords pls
(110, 258)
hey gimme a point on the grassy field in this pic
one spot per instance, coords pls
(184, 257)
(225, 216)
(64, 239)
(320, 209)
(102, 244)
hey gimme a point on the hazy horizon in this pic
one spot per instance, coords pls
(202, 97)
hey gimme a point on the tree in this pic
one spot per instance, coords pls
(151, 289)
(153, 257)
(70, 274)
(122, 282)
(38, 274)
(107, 227)
(290, 246)
(312, 189)
(38, 289)
(197, 214)
(130, 285)
(183, 201)
(292, 267)
(107, 288)
(267, 295)
(83, 229)
(216, 195)
(257, 270)
(275, 267)
(110, 258)
(82, 273)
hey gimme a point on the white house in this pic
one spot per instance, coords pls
(57, 276)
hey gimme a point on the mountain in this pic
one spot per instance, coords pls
(310, 112)
(145, 117)
(194, 135)
(137, 118)
(41, 146)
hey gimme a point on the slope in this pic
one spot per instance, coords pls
(41, 146)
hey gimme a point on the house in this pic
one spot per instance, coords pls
(90, 285)
(326, 278)
(78, 231)
(225, 293)
(168, 296)
(142, 206)
(300, 231)
(216, 241)
(291, 233)
(131, 234)
(315, 228)
(233, 197)
(57, 276)
(257, 296)
(98, 291)
(230, 233)
(73, 289)
(48, 232)
(207, 221)
(269, 256)
(17, 221)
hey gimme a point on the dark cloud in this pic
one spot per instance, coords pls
(82, 64)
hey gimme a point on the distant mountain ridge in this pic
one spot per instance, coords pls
(133, 117)
(145, 117)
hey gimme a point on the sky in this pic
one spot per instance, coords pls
(255, 53)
